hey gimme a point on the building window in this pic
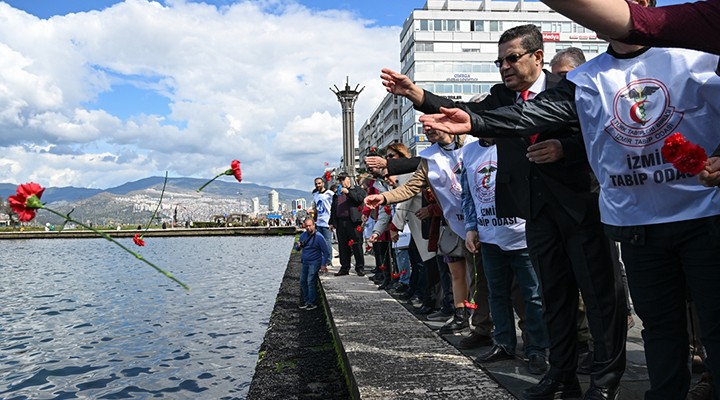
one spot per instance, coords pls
(477, 26)
(590, 48)
(424, 47)
(496, 26)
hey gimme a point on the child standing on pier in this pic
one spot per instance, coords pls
(315, 255)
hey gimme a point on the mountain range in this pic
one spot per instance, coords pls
(113, 204)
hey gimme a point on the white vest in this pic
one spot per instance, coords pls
(627, 108)
(481, 166)
(444, 169)
(323, 202)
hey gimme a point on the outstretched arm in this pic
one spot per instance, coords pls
(553, 109)
(401, 85)
(608, 17)
(677, 25)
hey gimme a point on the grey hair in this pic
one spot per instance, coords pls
(575, 56)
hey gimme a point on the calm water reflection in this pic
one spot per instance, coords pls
(83, 319)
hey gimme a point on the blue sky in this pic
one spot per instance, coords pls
(136, 88)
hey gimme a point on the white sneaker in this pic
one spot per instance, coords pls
(309, 307)
(303, 307)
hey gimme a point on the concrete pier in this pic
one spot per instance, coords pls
(393, 354)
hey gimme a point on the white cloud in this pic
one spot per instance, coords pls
(248, 81)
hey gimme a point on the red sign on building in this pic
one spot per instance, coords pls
(551, 36)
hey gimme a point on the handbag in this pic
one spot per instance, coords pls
(449, 243)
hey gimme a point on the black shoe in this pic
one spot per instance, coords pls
(458, 323)
(497, 353)
(342, 272)
(378, 278)
(424, 310)
(703, 390)
(401, 288)
(360, 272)
(549, 389)
(374, 270)
(537, 364)
(384, 285)
(602, 393)
(406, 296)
(475, 340)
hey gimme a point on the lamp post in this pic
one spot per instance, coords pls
(347, 98)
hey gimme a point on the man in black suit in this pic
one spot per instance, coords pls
(345, 217)
(548, 183)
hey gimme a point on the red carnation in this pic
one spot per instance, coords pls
(673, 146)
(26, 200)
(692, 161)
(686, 156)
(358, 228)
(328, 176)
(351, 242)
(404, 272)
(138, 240)
(382, 267)
(395, 275)
(236, 171)
(470, 304)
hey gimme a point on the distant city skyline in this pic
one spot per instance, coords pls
(100, 92)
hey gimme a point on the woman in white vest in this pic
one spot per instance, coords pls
(440, 168)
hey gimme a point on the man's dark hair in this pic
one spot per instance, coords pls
(341, 176)
(530, 34)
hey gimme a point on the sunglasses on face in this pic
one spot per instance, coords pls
(511, 59)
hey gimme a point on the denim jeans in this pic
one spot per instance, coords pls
(308, 282)
(403, 265)
(500, 266)
(327, 234)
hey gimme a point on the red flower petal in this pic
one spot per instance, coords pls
(395, 276)
(237, 172)
(351, 242)
(404, 272)
(138, 240)
(382, 267)
(359, 228)
(673, 146)
(26, 200)
(470, 304)
(692, 160)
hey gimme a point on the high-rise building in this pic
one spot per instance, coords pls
(299, 204)
(448, 47)
(273, 201)
(255, 205)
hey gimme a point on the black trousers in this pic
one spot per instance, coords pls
(347, 231)
(569, 256)
(662, 262)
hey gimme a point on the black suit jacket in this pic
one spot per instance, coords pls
(355, 196)
(523, 188)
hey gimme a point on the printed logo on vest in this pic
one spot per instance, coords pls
(485, 182)
(643, 114)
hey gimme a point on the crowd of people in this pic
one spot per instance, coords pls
(551, 198)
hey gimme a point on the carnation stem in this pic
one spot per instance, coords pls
(158, 204)
(216, 176)
(107, 237)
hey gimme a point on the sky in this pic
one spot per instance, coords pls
(96, 93)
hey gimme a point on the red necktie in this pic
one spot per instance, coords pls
(524, 96)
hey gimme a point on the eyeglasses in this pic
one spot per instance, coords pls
(391, 155)
(511, 59)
